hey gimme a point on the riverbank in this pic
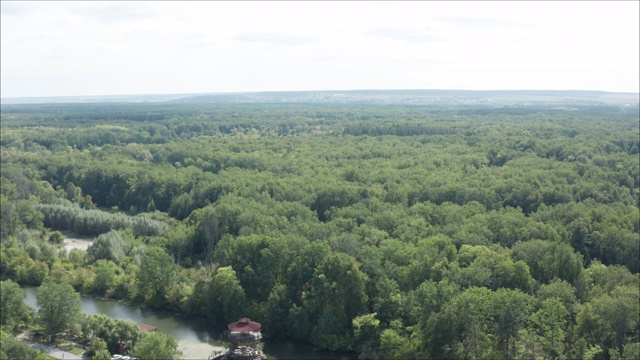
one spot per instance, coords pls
(191, 350)
(197, 337)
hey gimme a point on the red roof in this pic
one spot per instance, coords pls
(147, 327)
(244, 325)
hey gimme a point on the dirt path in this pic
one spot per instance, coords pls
(54, 351)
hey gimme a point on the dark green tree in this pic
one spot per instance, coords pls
(13, 309)
(13, 349)
(155, 275)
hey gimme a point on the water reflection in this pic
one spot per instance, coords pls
(182, 328)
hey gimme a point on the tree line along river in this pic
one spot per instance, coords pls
(197, 338)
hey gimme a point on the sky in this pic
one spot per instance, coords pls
(82, 48)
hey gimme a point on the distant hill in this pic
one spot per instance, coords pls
(459, 98)
(94, 99)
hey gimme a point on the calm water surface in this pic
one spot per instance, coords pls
(192, 329)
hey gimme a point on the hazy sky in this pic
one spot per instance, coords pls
(108, 48)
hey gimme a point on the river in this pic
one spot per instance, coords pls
(197, 338)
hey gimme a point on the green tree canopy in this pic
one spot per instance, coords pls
(59, 308)
(13, 309)
(109, 246)
(156, 346)
(157, 272)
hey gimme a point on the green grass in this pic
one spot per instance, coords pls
(72, 349)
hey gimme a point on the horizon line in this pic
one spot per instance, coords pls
(318, 90)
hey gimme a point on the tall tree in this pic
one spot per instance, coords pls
(59, 308)
(13, 309)
(511, 309)
(213, 227)
(339, 286)
(155, 276)
(226, 296)
(551, 321)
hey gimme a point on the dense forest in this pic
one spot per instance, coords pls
(395, 231)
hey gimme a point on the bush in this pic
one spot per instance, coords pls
(109, 246)
(56, 237)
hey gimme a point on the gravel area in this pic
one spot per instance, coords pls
(73, 241)
(192, 350)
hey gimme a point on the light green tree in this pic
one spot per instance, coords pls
(157, 346)
(366, 334)
(227, 298)
(102, 354)
(105, 275)
(551, 322)
(97, 346)
(59, 308)
(108, 246)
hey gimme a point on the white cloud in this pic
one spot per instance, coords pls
(77, 48)
(276, 38)
(410, 35)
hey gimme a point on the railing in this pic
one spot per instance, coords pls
(245, 336)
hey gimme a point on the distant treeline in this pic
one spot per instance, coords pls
(553, 110)
(397, 130)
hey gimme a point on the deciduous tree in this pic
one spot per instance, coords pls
(59, 308)
(157, 346)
